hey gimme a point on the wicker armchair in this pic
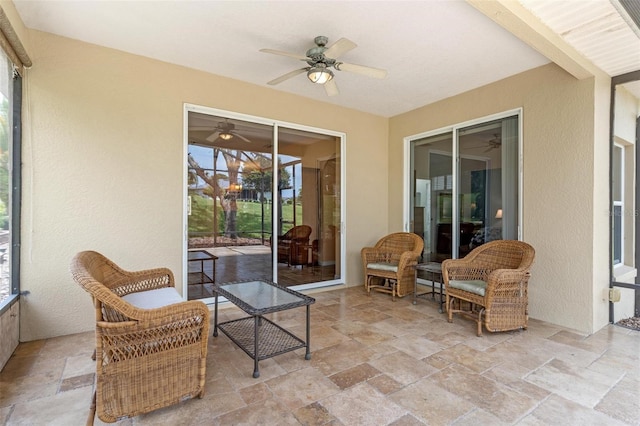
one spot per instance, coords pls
(489, 285)
(149, 354)
(390, 265)
(293, 246)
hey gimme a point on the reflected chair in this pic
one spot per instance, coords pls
(389, 266)
(490, 285)
(151, 346)
(293, 247)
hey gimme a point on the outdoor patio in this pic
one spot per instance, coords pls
(374, 362)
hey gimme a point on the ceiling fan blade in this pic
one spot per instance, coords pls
(339, 48)
(213, 136)
(281, 53)
(361, 69)
(241, 137)
(331, 88)
(287, 76)
(200, 128)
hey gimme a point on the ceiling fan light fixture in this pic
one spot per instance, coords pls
(226, 136)
(319, 75)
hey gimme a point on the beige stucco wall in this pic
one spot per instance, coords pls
(627, 108)
(103, 170)
(103, 167)
(565, 183)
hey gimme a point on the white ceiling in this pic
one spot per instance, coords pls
(431, 49)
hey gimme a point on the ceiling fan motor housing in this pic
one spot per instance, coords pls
(316, 54)
(321, 41)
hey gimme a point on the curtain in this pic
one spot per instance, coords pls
(510, 185)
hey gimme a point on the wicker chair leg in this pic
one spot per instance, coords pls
(92, 410)
(449, 307)
(479, 320)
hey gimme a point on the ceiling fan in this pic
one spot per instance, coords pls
(320, 59)
(225, 130)
(494, 143)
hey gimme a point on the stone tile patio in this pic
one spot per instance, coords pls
(374, 362)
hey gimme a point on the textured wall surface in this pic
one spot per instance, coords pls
(103, 169)
(104, 164)
(565, 178)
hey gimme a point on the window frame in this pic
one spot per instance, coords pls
(619, 213)
(408, 166)
(15, 182)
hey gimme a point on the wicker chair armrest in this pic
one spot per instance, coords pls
(461, 269)
(407, 259)
(507, 278)
(372, 254)
(166, 313)
(150, 279)
(165, 329)
(300, 240)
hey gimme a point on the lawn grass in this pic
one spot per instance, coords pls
(253, 218)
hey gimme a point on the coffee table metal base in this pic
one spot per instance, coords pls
(257, 336)
(435, 269)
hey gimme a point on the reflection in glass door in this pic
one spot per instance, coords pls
(431, 203)
(229, 212)
(309, 215)
(465, 188)
(249, 218)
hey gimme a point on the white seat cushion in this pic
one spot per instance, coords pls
(472, 286)
(156, 298)
(383, 266)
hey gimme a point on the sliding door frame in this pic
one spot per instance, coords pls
(275, 124)
(454, 130)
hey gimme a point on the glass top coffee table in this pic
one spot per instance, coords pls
(259, 337)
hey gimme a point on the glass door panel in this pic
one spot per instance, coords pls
(309, 215)
(624, 294)
(229, 212)
(479, 186)
(431, 207)
(466, 199)
(488, 183)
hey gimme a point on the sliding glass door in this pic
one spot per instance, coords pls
(249, 217)
(309, 213)
(465, 187)
(624, 294)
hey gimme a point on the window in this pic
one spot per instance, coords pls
(10, 102)
(618, 204)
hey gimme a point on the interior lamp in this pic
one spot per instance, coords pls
(226, 136)
(319, 75)
(499, 214)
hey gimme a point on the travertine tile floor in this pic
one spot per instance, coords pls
(374, 362)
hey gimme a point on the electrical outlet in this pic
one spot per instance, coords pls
(614, 295)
